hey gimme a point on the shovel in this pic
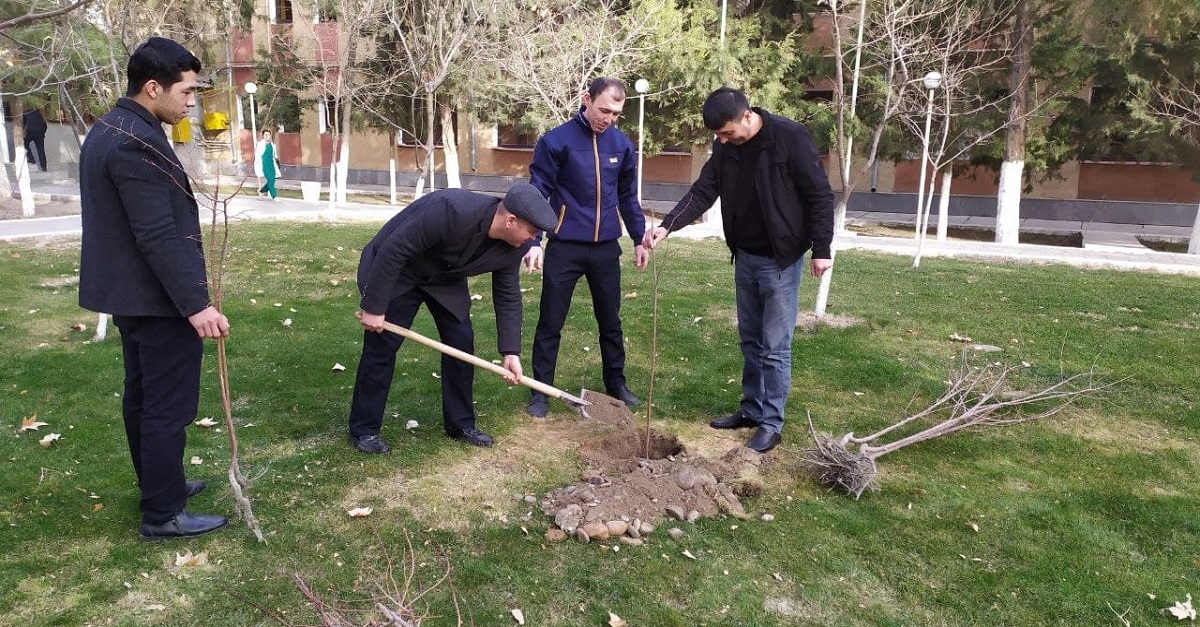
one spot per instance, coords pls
(549, 390)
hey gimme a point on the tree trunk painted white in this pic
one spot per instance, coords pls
(1008, 207)
(101, 328)
(1008, 198)
(431, 162)
(333, 180)
(22, 166)
(944, 204)
(1194, 243)
(450, 149)
(3, 136)
(343, 160)
(923, 211)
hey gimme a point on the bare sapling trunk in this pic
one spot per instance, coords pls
(974, 397)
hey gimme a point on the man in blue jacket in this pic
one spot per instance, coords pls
(142, 261)
(776, 204)
(588, 169)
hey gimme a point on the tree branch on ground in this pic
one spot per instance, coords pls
(399, 597)
(974, 397)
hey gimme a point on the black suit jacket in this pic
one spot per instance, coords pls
(141, 253)
(435, 244)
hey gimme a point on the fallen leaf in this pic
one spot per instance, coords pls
(338, 367)
(79, 326)
(478, 297)
(696, 319)
(859, 393)
(187, 559)
(287, 322)
(197, 461)
(777, 577)
(411, 424)
(688, 554)
(973, 526)
(518, 616)
(1183, 610)
(954, 337)
(631, 295)
(97, 507)
(32, 423)
(49, 439)
(616, 621)
(436, 375)
(360, 512)
(206, 422)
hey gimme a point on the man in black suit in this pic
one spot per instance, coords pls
(142, 262)
(424, 255)
(35, 137)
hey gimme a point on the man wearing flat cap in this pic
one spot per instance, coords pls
(424, 255)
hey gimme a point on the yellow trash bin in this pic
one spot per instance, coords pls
(181, 133)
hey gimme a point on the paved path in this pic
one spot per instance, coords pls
(1109, 245)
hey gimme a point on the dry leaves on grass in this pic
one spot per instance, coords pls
(1183, 610)
(50, 438)
(32, 423)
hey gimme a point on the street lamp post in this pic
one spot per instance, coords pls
(641, 87)
(251, 88)
(931, 81)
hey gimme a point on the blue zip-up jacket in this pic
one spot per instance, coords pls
(589, 180)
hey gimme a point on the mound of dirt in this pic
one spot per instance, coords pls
(636, 478)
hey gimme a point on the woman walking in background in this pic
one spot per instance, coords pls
(266, 165)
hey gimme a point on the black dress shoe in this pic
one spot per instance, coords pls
(737, 421)
(370, 444)
(183, 525)
(764, 440)
(473, 436)
(625, 396)
(538, 407)
(195, 487)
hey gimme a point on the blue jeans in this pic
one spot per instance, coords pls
(767, 305)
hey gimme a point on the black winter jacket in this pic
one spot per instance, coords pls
(793, 190)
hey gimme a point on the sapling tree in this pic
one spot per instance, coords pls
(974, 397)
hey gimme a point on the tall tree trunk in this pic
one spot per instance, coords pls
(1194, 243)
(430, 136)
(450, 148)
(944, 203)
(1008, 204)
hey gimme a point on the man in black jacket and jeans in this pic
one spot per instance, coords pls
(776, 204)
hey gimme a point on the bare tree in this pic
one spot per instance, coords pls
(540, 58)
(432, 42)
(974, 397)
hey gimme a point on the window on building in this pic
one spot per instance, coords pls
(513, 136)
(412, 117)
(281, 11)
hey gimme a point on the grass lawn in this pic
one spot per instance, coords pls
(1070, 521)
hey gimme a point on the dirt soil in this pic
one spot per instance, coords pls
(635, 478)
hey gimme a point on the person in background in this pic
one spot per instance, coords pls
(35, 137)
(588, 169)
(776, 204)
(424, 255)
(266, 165)
(143, 262)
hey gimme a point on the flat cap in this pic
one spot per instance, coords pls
(526, 202)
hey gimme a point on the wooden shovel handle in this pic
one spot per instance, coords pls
(528, 382)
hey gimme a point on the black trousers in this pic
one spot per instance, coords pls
(162, 393)
(374, 378)
(564, 263)
(35, 149)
